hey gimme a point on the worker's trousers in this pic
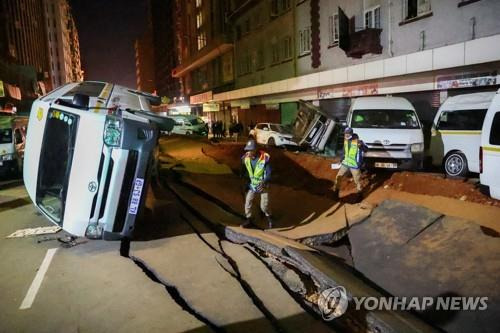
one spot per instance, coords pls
(356, 175)
(264, 202)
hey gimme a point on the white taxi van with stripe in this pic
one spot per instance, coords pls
(490, 149)
(456, 133)
(89, 148)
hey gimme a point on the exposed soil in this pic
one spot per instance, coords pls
(312, 173)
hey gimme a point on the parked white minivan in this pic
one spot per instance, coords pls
(489, 153)
(456, 133)
(188, 125)
(390, 128)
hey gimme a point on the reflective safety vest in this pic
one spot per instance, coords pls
(258, 174)
(351, 154)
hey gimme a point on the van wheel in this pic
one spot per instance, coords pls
(455, 165)
(271, 142)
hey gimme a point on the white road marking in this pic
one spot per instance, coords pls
(37, 281)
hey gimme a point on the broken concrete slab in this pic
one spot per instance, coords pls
(329, 226)
(192, 267)
(289, 314)
(328, 273)
(488, 216)
(411, 251)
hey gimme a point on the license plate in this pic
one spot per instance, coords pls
(386, 165)
(136, 196)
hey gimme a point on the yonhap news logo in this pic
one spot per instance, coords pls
(333, 303)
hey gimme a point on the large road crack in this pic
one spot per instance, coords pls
(172, 290)
(235, 273)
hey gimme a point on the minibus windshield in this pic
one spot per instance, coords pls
(55, 162)
(397, 119)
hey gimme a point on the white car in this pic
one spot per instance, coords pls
(272, 135)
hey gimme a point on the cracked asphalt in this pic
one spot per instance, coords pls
(179, 276)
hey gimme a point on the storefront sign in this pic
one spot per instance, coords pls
(466, 80)
(242, 104)
(201, 98)
(211, 107)
(352, 91)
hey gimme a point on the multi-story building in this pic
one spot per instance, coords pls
(63, 44)
(264, 51)
(424, 50)
(23, 47)
(164, 45)
(144, 63)
(205, 47)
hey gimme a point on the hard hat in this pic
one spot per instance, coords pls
(348, 130)
(251, 145)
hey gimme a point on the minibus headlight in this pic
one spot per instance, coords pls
(112, 131)
(417, 147)
(93, 231)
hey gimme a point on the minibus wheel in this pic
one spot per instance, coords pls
(455, 164)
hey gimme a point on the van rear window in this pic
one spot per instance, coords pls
(462, 120)
(495, 130)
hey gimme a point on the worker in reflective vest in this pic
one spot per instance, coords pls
(351, 161)
(256, 168)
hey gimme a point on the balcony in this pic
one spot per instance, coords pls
(363, 42)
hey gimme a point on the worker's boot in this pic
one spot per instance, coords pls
(248, 222)
(269, 222)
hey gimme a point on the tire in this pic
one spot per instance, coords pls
(455, 165)
(271, 142)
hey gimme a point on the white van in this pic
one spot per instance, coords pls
(390, 128)
(456, 133)
(489, 153)
(89, 150)
(12, 142)
(188, 125)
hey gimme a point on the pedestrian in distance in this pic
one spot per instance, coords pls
(256, 169)
(352, 160)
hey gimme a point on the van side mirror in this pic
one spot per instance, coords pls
(81, 101)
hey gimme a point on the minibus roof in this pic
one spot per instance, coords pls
(382, 103)
(474, 101)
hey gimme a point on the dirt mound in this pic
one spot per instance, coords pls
(313, 174)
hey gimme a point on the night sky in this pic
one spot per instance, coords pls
(107, 30)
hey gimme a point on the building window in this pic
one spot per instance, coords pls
(372, 18)
(287, 48)
(333, 29)
(261, 61)
(202, 40)
(305, 41)
(415, 8)
(275, 51)
(199, 20)
(285, 5)
(247, 26)
(274, 8)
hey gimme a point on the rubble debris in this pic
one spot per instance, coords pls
(34, 231)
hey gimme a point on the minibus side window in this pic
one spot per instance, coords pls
(468, 120)
(495, 130)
